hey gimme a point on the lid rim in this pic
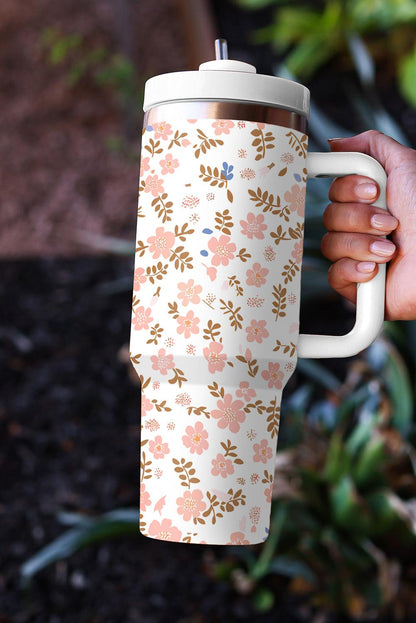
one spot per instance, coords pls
(229, 86)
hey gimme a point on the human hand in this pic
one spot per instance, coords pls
(354, 243)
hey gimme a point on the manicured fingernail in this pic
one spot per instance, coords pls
(366, 267)
(337, 138)
(382, 247)
(366, 190)
(384, 222)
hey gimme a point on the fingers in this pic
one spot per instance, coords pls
(360, 247)
(356, 217)
(354, 188)
(385, 149)
(345, 273)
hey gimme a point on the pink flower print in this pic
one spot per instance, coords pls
(254, 478)
(247, 174)
(241, 124)
(254, 226)
(255, 301)
(152, 425)
(222, 466)
(158, 448)
(162, 130)
(257, 275)
(146, 404)
(222, 126)
(262, 451)
(190, 201)
(245, 391)
(210, 196)
(296, 199)
(211, 272)
(162, 361)
(260, 125)
(297, 251)
(169, 164)
(269, 254)
(242, 153)
(139, 278)
(183, 399)
(190, 349)
(144, 165)
(196, 438)
(161, 243)
(273, 375)
(237, 538)
(214, 356)
(154, 185)
(222, 249)
(185, 142)
(268, 493)
(191, 504)
(142, 317)
(164, 530)
(257, 331)
(287, 158)
(229, 413)
(188, 324)
(189, 292)
(144, 497)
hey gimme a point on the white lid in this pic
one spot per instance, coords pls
(227, 80)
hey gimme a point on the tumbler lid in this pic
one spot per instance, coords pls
(225, 79)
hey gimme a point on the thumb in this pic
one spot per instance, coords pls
(385, 149)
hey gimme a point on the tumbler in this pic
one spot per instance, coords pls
(215, 311)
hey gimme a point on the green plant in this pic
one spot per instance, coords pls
(311, 36)
(344, 498)
(95, 65)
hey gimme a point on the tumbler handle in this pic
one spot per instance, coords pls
(370, 295)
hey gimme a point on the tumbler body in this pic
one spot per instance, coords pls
(215, 316)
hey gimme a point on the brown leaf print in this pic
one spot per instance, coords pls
(216, 391)
(162, 207)
(213, 504)
(153, 147)
(229, 451)
(156, 333)
(235, 317)
(186, 472)
(206, 143)
(289, 271)
(199, 411)
(224, 222)
(297, 232)
(262, 141)
(212, 331)
(300, 145)
(286, 348)
(279, 303)
(161, 406)
(146, 472)
(266, 200)
(178, 377)
(181, 259)
(273, 418)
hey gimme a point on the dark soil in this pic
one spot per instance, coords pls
(69, 421)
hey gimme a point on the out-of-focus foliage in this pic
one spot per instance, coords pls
(309, 35)
(343, 526)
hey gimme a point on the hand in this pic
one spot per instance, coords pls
(354, 243)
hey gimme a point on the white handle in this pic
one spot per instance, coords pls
(370, 296)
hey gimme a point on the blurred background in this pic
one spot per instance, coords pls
(342, 545)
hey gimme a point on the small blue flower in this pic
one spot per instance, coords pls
(204, 253)
(297, 177)
(226, 171)
(207, 231)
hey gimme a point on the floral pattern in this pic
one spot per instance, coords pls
(215, 322)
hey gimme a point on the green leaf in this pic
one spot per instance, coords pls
(338, 462)
(367, 469)
(263, 599)
(407, 77)
(348, 509)
(292, 568)
(113, 524)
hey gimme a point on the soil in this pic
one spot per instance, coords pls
(69, 421)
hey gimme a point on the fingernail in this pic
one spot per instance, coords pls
(384, 222)
(366, 267)
(382, 247)
(338, 138)
(366, 190)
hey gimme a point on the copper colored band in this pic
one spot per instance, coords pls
(226, 110)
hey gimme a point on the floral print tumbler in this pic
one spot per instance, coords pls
(215, 323)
